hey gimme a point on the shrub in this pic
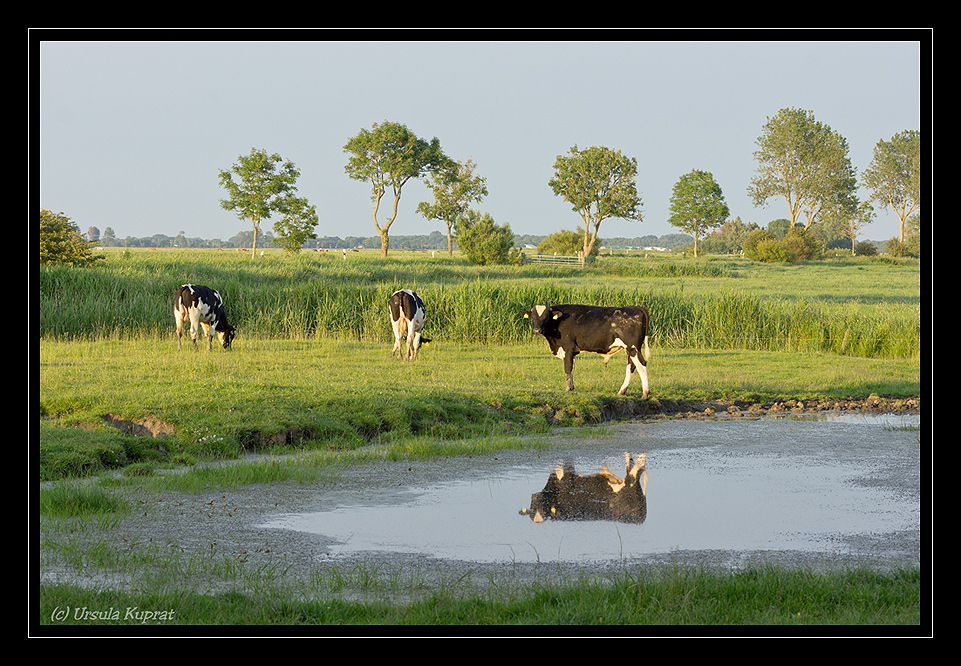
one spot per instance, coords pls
(62, 243)
(483, 242)
(771, 249)
(802, 244)
(752, 241)
(566, 243)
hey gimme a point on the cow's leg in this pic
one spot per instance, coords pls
(569, 370)
(180, 326)
(209, 334)
(627, 377)
(641, 366)
(413, 344)
(194, 326)
(399, 330)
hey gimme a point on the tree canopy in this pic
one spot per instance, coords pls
(598, 183)
(388, 156)
(895, 174)
(697, 204)
(454, 191)
(805, 162)
(297, 224)
(261, 188)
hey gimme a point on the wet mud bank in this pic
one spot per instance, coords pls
(621, 410)
(610, 410)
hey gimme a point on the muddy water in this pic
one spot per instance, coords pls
(835, 488)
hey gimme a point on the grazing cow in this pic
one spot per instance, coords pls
(603, 496)
(407, 315)
(571, 329)
(203, 306)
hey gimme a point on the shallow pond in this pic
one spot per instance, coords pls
(837, 487)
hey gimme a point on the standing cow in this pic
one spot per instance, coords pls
(603, 496)
(571, 329)
(407, 315)
(203, 306)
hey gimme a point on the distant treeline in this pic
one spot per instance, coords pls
(433, 241)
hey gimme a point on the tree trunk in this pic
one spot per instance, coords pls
(384, 242)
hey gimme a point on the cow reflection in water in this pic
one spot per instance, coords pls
(603, 496)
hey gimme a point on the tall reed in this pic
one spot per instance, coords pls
(304, 297)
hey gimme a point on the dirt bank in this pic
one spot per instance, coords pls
(710, 409)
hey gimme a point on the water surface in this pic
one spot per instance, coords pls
(836, 486)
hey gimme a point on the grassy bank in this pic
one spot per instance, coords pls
(643, 599)
(269, 394)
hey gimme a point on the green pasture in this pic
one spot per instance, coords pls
(310, 364)
(310, 373)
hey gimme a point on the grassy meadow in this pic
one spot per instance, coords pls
(310, 366)
(309, 371)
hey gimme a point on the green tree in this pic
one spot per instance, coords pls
(894, 175)
(598, 183)
(729, 237)
(697, 204)
(261, 189)
(389, 155)
(482, 241)
(297, 224)
(62, 243)
(453, 192)
(853, 223)
(805, 162)
(779, 228)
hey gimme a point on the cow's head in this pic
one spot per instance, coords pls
(543, 504)
(541, 316)
(226, 336)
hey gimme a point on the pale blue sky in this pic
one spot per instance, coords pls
(133, 134)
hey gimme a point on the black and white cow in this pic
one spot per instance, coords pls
(203, 306)
(407, 316)
(603, 496)
(571, 329)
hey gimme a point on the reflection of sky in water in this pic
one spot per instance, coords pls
(746, 485)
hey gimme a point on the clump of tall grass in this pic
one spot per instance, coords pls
(309, 297)
(69, 500)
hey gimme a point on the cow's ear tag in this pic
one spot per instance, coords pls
(553, 510)
(558, 315)
(527, 315)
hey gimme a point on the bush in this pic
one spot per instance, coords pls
(802, 244)
(483, 242)
(865, 249)
(566, 243)
(752, 241)
(62, 243)
(771, 249)
(798, 244)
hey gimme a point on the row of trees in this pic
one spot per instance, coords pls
(799, 159)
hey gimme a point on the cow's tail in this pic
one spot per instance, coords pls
(647, 350)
